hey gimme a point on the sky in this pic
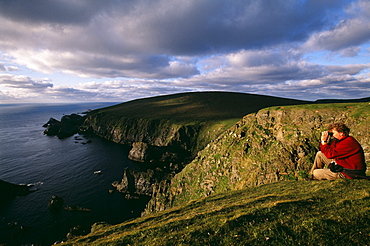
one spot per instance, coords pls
(56, 51)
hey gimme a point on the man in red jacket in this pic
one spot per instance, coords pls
(345, 151)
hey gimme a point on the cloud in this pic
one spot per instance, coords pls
(57, 11)
(6, 68)
(24, 82)
(351, 69)
(259, 66)
(86, 64)
(144, 39)
(336, 87)
(138, 48)
(347, 34)
(350, 51)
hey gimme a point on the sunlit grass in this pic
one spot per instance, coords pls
(282, 213)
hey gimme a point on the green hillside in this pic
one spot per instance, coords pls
(276, 143)
(187, 120)
(245, 186)
(197, 106)
(281, 213)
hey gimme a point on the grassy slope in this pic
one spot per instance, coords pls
(197, 106)
(211, 113)
(225, 164)
(281, 213)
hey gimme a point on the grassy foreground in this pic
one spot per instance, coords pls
(281, 213)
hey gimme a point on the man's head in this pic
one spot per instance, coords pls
(339, 130)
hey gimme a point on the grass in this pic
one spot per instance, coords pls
(281, 213)
(196, 106)
(265, 147)
(202, 115)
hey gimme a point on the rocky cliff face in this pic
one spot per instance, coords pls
(163, 147)
(153, 132)
(274, 144)
(167, 132)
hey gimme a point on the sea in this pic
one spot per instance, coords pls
(58, 167)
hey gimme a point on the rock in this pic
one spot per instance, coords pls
(55, 203)
(77, 209)
(76, 231)
(52, 127)
(163, 157)
(139, 152)
(68, 126)
(137, 183)
(9, 190)
(67, 131)
(131, 197)
(51, 121)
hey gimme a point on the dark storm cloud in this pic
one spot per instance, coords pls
(201, 27)
(172, 27)
(144, 39)
(152, 47)
(53, 12)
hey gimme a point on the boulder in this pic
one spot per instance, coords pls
(56, 203)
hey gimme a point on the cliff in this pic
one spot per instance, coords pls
(167, 132)
(276, 143)
(229, 195)
(187, 120)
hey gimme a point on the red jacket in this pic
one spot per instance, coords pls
(346, 152)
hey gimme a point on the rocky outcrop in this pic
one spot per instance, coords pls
(9, 190)
(161, 146)
(55, 203)
(66, 127)
(274, 144)
(162, 163)
(165, 156)
(77, 209)
(138, 183)
(153, 132)
(139, 152)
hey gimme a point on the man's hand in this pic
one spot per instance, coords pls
(324, 137)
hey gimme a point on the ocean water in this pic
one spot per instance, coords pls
(58, 167)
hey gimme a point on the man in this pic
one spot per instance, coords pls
(344, 150)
